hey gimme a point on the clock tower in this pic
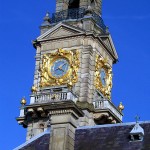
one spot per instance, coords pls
(73, 74)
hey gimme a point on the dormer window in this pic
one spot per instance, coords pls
(136, 137)
(137, 133)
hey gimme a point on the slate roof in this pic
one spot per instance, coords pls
(99, 137)
(111, 137)
(40, 142)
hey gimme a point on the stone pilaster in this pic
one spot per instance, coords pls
(63, 124)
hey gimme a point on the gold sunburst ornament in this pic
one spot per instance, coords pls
(103, 76)
(59, 68)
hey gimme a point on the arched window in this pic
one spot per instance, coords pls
(92, 3)
(73, 4)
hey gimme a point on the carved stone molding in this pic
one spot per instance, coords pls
(103, 118)
(85, 105)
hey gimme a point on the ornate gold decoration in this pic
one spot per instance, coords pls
(71, 76)
(102, 63)
(121, 107)
(33, 89)
(23, 101)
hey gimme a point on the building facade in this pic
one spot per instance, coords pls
(73, 76)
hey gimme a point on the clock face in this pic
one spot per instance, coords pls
(59, 67)
(103, 76)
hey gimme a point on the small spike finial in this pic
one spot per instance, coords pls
(23, 101)
(137, 118)
(121, 107)
(33, 89)
(47, 17)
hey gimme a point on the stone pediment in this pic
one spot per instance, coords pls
(107, 40)
(60, 30)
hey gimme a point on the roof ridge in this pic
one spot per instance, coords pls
(112, 125)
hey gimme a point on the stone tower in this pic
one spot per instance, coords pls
(73, 74)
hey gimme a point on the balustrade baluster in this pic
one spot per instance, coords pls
(48, 97)
(53, 97)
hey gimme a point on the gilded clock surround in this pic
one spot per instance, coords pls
(69, 78)
(102, 63)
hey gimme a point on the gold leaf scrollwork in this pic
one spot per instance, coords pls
(71, 76)
(102, 63)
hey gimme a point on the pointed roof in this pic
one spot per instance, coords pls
(137, 129)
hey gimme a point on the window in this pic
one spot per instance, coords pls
(73, 4)
(92, 3)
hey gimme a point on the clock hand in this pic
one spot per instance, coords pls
(61, 69)
(62, 65)
(56, 69)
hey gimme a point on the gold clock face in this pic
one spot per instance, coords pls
(103, 76)
(59, 68)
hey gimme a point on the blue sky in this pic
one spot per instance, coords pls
(129, 24)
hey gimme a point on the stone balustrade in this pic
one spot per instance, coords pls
(52, 97)
(107, 105)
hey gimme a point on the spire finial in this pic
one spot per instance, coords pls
(47, 20)
(23, 101)
(47, 16)
(137, 118)
(121, 107)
